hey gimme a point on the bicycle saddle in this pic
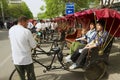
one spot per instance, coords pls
(56, 49)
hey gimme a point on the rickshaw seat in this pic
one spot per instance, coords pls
(71, 37)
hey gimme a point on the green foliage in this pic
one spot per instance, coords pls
(56, 8)
(16, 10)
(41, 16)
(53, 9)
(5, 7)
(26, 11)
(42, 8)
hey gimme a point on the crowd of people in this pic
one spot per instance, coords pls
(42, 28)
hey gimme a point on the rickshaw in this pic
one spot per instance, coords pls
(98, 58)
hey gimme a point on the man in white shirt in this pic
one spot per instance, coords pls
(22, 42)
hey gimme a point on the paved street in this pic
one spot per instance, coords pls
(6, 65)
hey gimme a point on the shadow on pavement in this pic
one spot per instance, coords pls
(68, 76)
(114, 66)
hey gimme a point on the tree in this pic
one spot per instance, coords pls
(42, 8)
(16, 10)
(4, 5)
(56, 8)
(41, 16)
(26, 11)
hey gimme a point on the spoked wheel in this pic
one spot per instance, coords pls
(95, 71)
(15, 76)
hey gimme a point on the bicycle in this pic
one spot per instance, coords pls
(53, 44)
(57, 51)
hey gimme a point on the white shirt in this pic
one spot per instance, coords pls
(90, 34)
(46, 24)
(30, 25)
(43, 26)
(38, 26)
(49, 24)
(22, 41)
(53, 26)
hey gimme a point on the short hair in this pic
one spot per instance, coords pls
(92, 22)
(41, 20)
(22, 18)
(101, 22)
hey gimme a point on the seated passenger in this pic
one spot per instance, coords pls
(97, 40)
(82, 41)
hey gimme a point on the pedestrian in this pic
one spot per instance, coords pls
(5, 25)
(43, 29)
(22, 42)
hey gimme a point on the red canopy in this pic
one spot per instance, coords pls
(85, 17)
(60, 19)
(112, 19)
(110, 16)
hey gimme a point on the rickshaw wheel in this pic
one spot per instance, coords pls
(95, 71)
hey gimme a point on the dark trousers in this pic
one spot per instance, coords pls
(82, 58)
(79, 58)
(44, 34)
(29, 69)
(75, 56)
(76, 53)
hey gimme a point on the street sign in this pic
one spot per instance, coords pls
(69, 8)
